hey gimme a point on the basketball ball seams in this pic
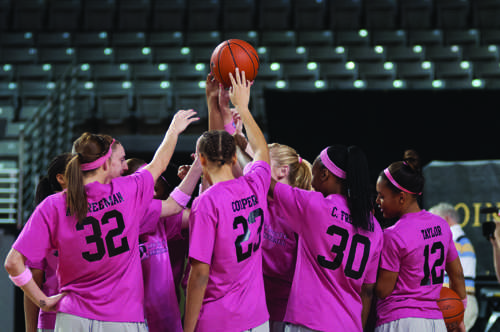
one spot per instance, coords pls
(250, 54)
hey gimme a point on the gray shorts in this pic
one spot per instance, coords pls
(289, 327)
(261, 328)
(413, 324)
(66, 322)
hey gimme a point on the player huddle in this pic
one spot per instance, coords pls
(275, 243)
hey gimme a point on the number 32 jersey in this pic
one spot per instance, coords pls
(334, 260)
(225, 228)
(418, 246)
(99, 261)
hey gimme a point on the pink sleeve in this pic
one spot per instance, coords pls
(39, 265)
(293, 203)
(389, 258)
(151, 217)
(34, 242)
(373, 264)
(202, 230)
(172, 225)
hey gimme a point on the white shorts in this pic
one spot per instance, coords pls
(413, 324)
(261, 328)
(289, 327)
(66, 322)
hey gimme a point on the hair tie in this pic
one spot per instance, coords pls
(300, 159)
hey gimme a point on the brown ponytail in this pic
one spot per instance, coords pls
(87, 148)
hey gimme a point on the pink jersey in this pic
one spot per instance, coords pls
(418, 247)
(279, 253)
(99, 261)
(160, 299)
(226, 232)
(334, 260)
(50, 286)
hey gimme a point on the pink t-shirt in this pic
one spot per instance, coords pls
(50, 286)
(226, 232)
(418, 247)
(334, 260)
(279, 253)
(99, 261)
(160, 299)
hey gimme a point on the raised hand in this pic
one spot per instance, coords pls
(240, 89)
(181, 120)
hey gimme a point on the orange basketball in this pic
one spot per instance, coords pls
(230, 54)
(451, 306)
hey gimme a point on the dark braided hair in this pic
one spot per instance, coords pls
(217, 146)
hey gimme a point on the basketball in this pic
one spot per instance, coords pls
(451, 306)
(230, 54)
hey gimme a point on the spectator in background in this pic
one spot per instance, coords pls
(467, 258)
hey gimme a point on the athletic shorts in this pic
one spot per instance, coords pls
(261, 328)
(289, 327)
(412, 324)
(66, 322)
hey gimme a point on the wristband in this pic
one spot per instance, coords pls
(464, 301)
(22, 279)
(230, 128)
(180, 197)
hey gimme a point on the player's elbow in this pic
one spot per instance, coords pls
(13, 263)
(382, 292)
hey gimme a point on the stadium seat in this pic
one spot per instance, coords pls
(33, 93)
(377, 71)
(327, 54)
(416, 14)
(380, 14)
(190, 95)
(385, 84)
(202, 38)
(28, 15)
(169, 15)
(461, 37)
(203, 15)
(251, 36)
(274, 14)
(454, 70)
(7, 113)
(345, 14)
(114, 101)
(84, 103)
(487, 69)
(353, 38)
(99, 15)
(239, 15)
(34, 72)
(54, 39)
(277, 38)
(9, 95)
(171, 54)
(443, 53)
(18, 55)
(339, 71)
(9, 148)
(133, 15)
(169, 38)
(64, 15)
(315, 38)
(269, 72)
(91, 39)
(190, 72)
(425, 37)
(452, 14)
(5, 14)
(405, 53)
(151, 72)
(481, 53)
(7, 73)
(309, 15)
(154, 101)
(306, 85)
(202, 53)
(490, 36)
(393, 37)
(287, 54)
(301, 71)
(17, 39)
(366, 53)
(134, 55)
(111, 72)
(57, 55)
(485, 14)
(128, 39)
(95, 55)
(416, 70)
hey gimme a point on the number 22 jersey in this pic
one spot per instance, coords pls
(99, 262)
(226, 232)
(334, 260)
(418, 246)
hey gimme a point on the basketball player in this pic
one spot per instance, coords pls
(225, 290)
(339, 243)
(95, 227)
(417, 250)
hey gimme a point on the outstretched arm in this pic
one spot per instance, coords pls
(166, 149)
(240, 97)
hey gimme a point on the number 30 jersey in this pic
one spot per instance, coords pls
(225, 228)
(334, 260)
(417, 246)
(99, 261)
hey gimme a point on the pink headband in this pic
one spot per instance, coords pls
(330, 165)
(99, 161)
(397, 185)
